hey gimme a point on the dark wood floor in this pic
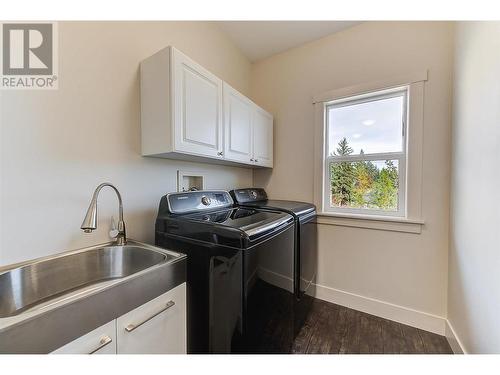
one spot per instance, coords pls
(319, 327)
(334, 329)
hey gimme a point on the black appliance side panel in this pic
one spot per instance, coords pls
(307, 251)
(225, 300)
(197, 291)
(214, 301)
(268, 296)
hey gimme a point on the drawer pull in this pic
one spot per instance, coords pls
(131, 327)
(105, 340)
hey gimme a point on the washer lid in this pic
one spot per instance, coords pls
(235, 227)
(293, 207)
(257, 197)
(253, 223)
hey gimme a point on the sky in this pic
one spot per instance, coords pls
(373, 126)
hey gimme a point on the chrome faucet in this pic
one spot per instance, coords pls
(90, 222)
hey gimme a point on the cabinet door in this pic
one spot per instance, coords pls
(157, 327)
(238, 111)
(197, 105)
(101, 340)
(262, 138)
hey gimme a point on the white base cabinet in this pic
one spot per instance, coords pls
(157, 327)
(189, 113)
(101, 340)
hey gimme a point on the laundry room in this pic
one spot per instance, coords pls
(228, 185)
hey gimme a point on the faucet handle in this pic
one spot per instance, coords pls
(113, 232)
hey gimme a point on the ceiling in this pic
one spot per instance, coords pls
(261, 39)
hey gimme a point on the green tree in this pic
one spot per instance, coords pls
(364, 177)
(385, 194)
(342, 176)
(362, 184)
(372, 170)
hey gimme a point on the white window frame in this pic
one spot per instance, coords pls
(399, 156)
(412, 220)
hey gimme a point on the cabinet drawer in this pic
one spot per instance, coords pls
(157, 327)
(101, 340)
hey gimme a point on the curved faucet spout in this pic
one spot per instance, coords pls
(90, 222)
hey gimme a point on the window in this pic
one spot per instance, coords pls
(365, 153)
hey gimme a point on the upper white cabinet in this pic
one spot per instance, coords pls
(262, 138)
(248, 130)
(189, 113)
(197, 108)
(181, 107)
(238, 113)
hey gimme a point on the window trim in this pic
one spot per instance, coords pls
(399, 156)
(388, 223)
(414, 154)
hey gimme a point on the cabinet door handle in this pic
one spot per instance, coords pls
(256, 161)
(251, 159)
(131, 327)
(105, 340)
(220, 153)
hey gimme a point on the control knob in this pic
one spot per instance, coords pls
(205, 201)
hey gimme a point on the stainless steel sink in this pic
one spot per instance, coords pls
(28, 286)
(48, 302)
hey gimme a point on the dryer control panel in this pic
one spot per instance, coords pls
(249, 195)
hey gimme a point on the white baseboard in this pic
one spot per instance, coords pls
(400, 314)
(453, 340)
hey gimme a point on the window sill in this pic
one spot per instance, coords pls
(393, 224)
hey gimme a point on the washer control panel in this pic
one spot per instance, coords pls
(192, 201)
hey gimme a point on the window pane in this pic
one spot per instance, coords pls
(370, 127)
(371, 185)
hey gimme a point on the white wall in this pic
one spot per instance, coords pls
(408, 270)
(474, 259)
(57, 146)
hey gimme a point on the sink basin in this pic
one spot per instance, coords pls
(48, 302)
(33, 284)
